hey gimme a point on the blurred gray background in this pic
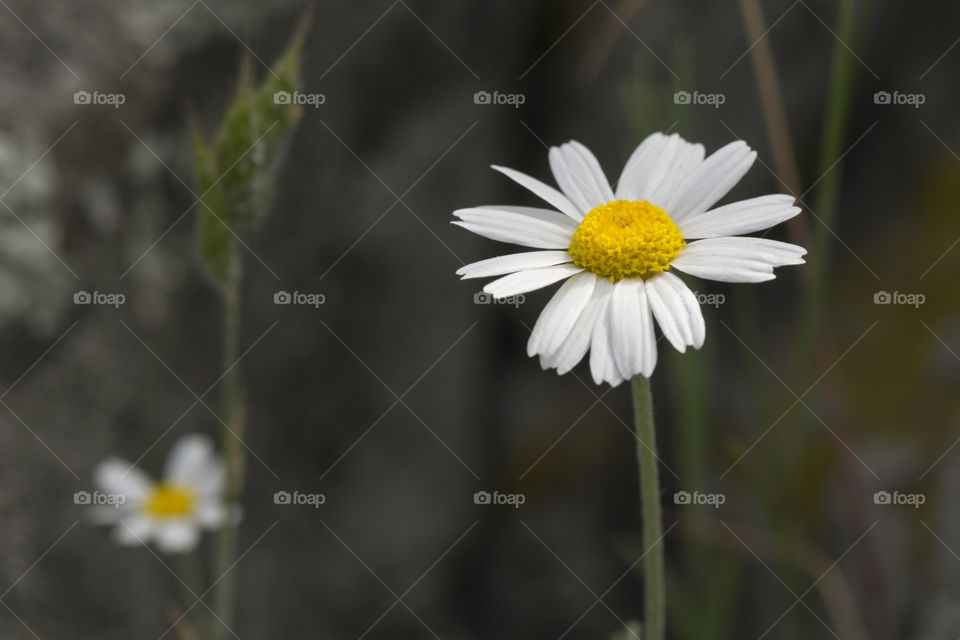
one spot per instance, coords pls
(399, 397)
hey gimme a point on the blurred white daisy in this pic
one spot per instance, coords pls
(617, 251)
(172, 512)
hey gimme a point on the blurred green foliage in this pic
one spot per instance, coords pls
(235, 173)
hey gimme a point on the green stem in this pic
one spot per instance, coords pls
(191, 586)
(655, 593)
(833, 137)
(234, 418)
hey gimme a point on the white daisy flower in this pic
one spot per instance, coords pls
(618, 251)
(171, 512)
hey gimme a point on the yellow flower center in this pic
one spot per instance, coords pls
(169, 501)
(625, 239)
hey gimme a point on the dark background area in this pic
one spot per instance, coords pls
(399, 397)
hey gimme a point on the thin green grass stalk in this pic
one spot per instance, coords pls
(654, 586)
(233, 403)
(818, 339)
(771, 105)
(746, 308)
(833, 138)
(692, 381)
(190, 583)
(784, 159)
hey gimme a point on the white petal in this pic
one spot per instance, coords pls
(725, 269)
(545, 191)
(575, 346)
(775, 252)
(211, 514)
(736, 259)
(783, 253)
(133, 531)
(639, 166)
(603, 367)
(574, 185)
(527, 226)
(631, 328)
(513, 262)
(686, 158)
(177, 536)
(531, 280)
(188, 455)
(114, 475)
(649, 362)
(741, 217)
(194, 463)
(677, 311)
(578, 173)
(710, 181)
(561, 313)
(592, 165)
(656, 168)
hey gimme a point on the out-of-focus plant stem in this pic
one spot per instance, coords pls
(236, 173)
(815, 344)
(692, 381)
(233, 404)
(190, 581)
(832, 139)
(654, 586)
(818, 339)
(774, 115)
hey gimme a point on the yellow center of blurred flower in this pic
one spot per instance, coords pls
(169, 500)
(625, 239)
